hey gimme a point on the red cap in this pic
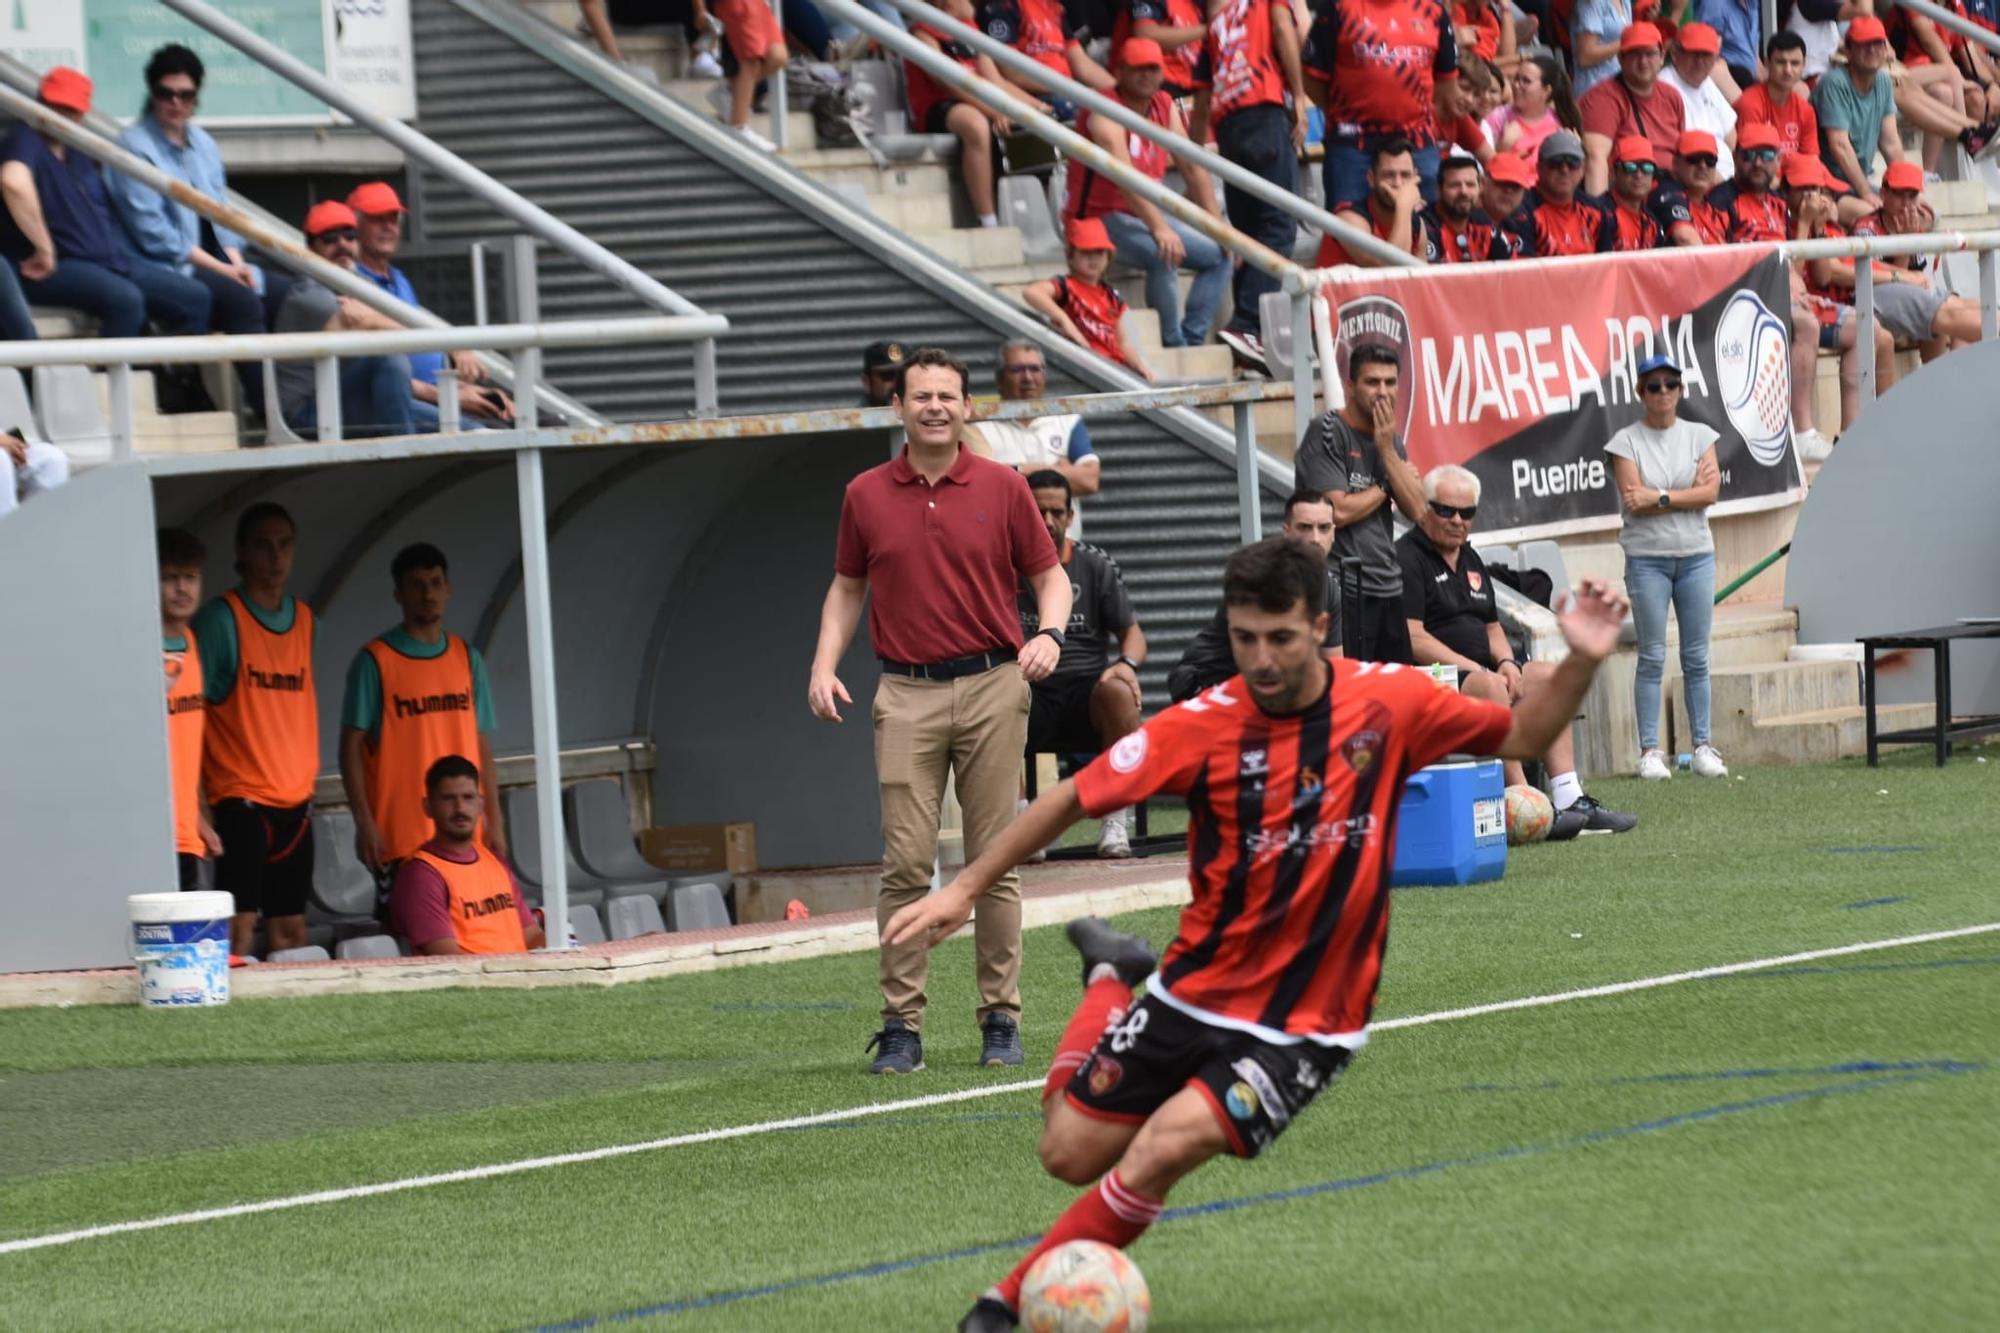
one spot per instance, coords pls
(1089, 234)
(1803, 172)
(1903, 176)
(1509, 169)
(1639, 37)
(375, 198)
(328, 214)
(66, 88)
(1141, 51)
(1758, 134)
(1697, 141)
(1632, 148)
(1867, 29)
(1700, 39)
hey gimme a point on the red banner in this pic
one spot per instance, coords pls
(1522, 371)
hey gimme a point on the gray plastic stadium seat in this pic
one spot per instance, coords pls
(341, 885)
(1274, 319)
(310, 953)
(16, 412)
(66, 406)
(696, 907)
(369, 946)
(586, 925)
(600, 828)
(1497, 555)
(1547, 556)
(276, 430)
(1024, 203)
(634, 916)
(524, 844)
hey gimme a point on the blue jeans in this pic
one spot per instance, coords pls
(1688, 583)
(123, 302)
(1208, 261)
(1345, 171)
(374, 400)
(17, 322)
(1258, 139)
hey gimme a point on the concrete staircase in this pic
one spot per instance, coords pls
(156, 432)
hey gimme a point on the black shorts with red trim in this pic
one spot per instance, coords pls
(267, 856)
(1255, 1087)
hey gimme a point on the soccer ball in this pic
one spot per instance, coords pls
(1084, 1286)
(1528, 815)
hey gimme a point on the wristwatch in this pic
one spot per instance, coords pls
(1127, 660)
(1666, 501)
(1055, 634)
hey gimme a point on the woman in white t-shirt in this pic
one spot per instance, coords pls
(1667, 477)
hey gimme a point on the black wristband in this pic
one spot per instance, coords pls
(1055, 634)
(1122, 657)
(1507, 661)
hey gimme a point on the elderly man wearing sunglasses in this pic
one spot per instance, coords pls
(1667, 477)
(1454, 620)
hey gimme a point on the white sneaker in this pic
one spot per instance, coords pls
(1813, 447)
(754, 139)
(704, 66)
(1113, 843)
(1708, 764)
(1653, 767)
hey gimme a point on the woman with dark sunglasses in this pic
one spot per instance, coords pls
(171, 235)
(1667, 476)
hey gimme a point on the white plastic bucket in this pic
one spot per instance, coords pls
(180, 942)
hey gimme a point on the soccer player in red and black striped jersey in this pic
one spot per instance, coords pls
(1293, 771)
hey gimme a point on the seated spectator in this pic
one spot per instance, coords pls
(1506, 184)
(1633, 102)
(1481, 91)
(1541, 104)
(1628, 224)
(453, 896)
(881, 362)
(1380, 72)
(1177, 26)
(1555, 217)
(169, 234)
(1091, 699)
(1980, 72)
(1041, 30)
(1737, 24)
(375, 391)
(599, 16)
(1595, 28)
(17, 321)
(378, 213)
(1146, 238)
(1856, 106)
(1208, 660)
(1780, 100)
(1681, 204)
(1454, 618)
(1911, 304)
(1460, 231)
(181, 556)
(1809, 190)
(1059, 443)
(1932, 92)
(754, 50)
(1691, 70)
(1390, 210)
(28, 469)
(936, 109)
(1755, 210)
(1081, 306)
(1485, 28)
(1817, 24)
(65, 243)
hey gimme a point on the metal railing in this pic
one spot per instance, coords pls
(417, 147)
(1944, 18)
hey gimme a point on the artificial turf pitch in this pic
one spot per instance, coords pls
(1800, 1147)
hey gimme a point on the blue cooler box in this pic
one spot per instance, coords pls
(1452, 825)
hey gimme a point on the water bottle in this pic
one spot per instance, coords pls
(1685, 762)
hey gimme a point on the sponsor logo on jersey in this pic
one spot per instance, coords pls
(456, 702)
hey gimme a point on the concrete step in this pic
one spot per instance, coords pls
(186, 433)
(845, 166)
(975, 248)
(51, 322)
(144, 402)
(1760, 690)
(913, 212)
(1817, 737)
(1211, 363)
(1952, 197)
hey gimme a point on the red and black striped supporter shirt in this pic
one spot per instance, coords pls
(1382, 61)
(1671, 206)
(1548, 229)
(1239, 59)
(1625, 229)
(1753, 216)
(1291, 826)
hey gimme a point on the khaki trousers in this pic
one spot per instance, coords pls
(975, 728)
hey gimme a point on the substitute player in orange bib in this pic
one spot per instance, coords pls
(1293, 771)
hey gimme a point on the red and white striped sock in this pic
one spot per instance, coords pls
(1103, 1004)
(1112, 1212)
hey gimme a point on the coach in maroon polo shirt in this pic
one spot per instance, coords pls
(944, 538)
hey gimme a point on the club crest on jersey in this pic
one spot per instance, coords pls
(171, 668)
(1359, 750)
(1103, 1075)
(1473, 580)
(1129, 752)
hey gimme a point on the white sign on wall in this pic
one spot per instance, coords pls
(368, 53)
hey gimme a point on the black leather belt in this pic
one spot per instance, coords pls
(952, 670)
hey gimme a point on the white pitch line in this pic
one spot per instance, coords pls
(496, 1169)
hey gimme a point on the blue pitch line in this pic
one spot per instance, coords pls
(1875, 902)
(1850, 1067)
(1929, 1069)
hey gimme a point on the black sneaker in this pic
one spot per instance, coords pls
(1587, 816)
(902, 1049)
(987, 1315)
(999, 1041)
(1094, 938)
(1248, 349)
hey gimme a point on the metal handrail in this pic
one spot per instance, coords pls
(416, 146)
(1354, 238)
